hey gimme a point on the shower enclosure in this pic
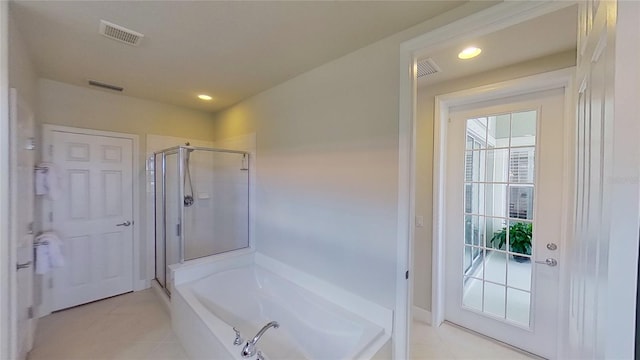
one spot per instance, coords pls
(201, 204)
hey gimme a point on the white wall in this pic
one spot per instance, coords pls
(22, 73)
(327, 176)
(424, 154)
(70, 105)
(23, 77)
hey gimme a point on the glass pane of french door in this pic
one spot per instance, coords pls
(499, 188)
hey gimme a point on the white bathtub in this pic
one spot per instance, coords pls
(311, 327)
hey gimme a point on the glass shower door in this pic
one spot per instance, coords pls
(217, 219)
(168, 211)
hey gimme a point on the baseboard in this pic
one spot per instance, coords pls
(141, 285)
(422, 315)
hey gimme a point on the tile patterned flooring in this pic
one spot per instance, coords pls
(451, 342)
(127, 327)
(137, 326)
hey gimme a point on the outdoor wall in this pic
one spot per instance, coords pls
(70, 105)
(424, 154)
(327, 178)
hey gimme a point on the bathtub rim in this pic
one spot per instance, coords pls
(371, 339)
(190, 271)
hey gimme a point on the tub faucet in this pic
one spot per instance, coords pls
(249, 348)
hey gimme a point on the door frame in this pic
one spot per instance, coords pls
(563, 78)
(492, 19)
(139, 279)
(8, 342)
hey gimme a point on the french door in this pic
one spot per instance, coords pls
(503, 218)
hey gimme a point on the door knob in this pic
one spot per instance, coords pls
(548, 261)
(126, 223)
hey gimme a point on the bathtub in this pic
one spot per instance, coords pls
(248, 297)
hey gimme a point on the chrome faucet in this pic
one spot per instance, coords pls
(249, 348)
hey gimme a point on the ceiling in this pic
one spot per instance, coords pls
(549, 34)
(227, 49)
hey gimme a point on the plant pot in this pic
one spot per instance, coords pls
(521, 259)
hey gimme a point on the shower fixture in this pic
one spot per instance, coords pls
(188, 195)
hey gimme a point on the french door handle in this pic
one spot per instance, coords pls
(549, 262)
(126, 223)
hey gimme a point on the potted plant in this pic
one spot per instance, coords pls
(520, 234)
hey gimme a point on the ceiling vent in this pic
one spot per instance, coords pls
(120, 33)
(105, 86)
(427, 67)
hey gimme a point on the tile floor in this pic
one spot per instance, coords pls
(506, 291)
(127, 327)
(137, 326)
(451, 342)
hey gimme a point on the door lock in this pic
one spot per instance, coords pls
(552, 246)
(548, 262)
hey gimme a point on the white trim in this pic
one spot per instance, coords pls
(568, 210)
(551, 80)
(489, 20)
(7, 339)
(406, 209)
(140, 281)
(421, 315)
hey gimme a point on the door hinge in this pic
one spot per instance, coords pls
(50, 216)
(30, 312)
(30, 228)
(178, 230)
(406, 275)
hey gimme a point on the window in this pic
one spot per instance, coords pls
(498, 214)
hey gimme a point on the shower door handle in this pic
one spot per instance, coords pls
(126, 223)
(23, 266)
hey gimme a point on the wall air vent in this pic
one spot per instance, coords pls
(120, 33)
(105, 86)
(427, 67)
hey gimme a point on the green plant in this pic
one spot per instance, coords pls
(520, 234)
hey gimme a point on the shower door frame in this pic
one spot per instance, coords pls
(180, 152)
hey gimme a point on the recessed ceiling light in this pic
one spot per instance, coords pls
(204, 97)
(469, 53)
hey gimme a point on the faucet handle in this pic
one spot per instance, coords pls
(238, 340)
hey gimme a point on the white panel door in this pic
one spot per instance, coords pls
(94, 217)
(503, 196)
(604, 254)
(22, 208)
